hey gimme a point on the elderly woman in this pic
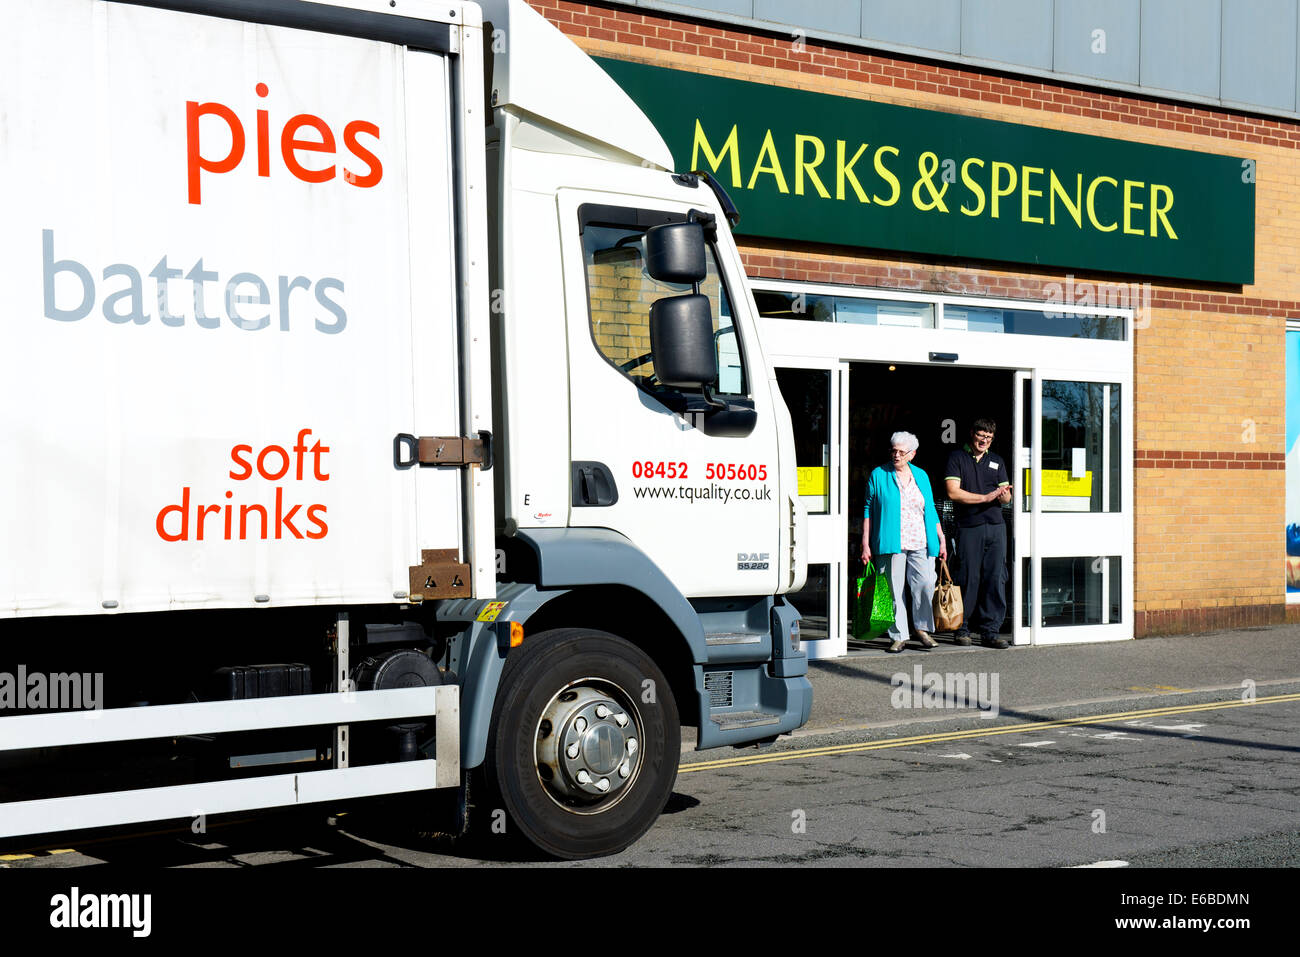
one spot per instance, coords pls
(901, 533)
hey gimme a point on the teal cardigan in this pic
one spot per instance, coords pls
(884, 509)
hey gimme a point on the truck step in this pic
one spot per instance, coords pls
(733, 638)
(743, 719)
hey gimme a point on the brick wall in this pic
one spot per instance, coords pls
(1209, 362)
(619, 296)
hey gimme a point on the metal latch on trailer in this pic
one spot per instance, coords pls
(425, 450)
(439, 575)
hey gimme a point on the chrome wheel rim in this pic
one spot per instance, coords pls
(589, 746)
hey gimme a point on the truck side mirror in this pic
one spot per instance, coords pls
(675, 253)
(681, 339)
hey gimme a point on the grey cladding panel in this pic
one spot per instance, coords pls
(834, 16)
(1180, 45)
(1259, 53)
(1098, 38)
(737, 8)
(1241, 51)
(927, 24)
(1017, 32)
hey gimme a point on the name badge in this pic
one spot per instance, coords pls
(993, 465)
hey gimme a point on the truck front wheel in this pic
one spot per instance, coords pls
(585, 742)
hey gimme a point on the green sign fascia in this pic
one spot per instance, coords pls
(832, 169)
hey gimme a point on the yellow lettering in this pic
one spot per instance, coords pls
(768, 150)
(1076, 208)
(927, 165)
(973, 186)
(1026, 192)
(1158, 211)
(801, 167)
(1129, 206)
(1092, 207)
(888, 176)
(844, 171)
(999, 166)
(715, 159)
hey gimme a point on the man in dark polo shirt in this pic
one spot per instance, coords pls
(978, 484)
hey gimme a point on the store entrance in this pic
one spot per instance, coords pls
(937, 404)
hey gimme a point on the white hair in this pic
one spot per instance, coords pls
(904, 440)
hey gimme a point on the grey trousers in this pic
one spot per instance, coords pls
(917, 568)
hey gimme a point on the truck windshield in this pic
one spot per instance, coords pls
(619, 295)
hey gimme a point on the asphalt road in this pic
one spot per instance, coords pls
(1179, 785)
(1176, 752)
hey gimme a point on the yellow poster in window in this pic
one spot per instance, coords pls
(814, 480)
(1057, 483)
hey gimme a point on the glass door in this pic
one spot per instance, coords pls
(815, 391)
(1018, 543)
(1074, 580)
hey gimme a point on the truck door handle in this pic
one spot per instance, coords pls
(592, 485)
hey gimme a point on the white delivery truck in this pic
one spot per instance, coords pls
(380, 410)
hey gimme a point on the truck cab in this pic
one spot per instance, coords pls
(638, 499)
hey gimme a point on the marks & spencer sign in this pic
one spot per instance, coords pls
(832, 169)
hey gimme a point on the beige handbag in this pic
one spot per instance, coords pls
(948, 613)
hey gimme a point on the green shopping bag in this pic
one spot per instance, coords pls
(873, 607)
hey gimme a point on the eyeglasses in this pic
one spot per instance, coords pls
(900, 451)
(983, 436)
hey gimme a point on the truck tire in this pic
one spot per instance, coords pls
(584, 744)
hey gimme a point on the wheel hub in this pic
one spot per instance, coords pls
(588, 745)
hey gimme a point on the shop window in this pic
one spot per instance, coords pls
(794, 305)
(848, 309)
(1081, 447)
(1033, 322)
(1078, 591)
(817, 307)
(813, 603)
(1026, 592)
(807, 394)
(885, 312)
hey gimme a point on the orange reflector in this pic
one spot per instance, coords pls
(516, 634)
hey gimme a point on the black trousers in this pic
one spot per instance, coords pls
(982, 577)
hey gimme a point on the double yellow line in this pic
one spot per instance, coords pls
(835, 750)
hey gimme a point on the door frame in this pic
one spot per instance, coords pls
(806, 343)
(1083, 534)
(827, 533)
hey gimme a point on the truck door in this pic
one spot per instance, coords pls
(694, 486)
